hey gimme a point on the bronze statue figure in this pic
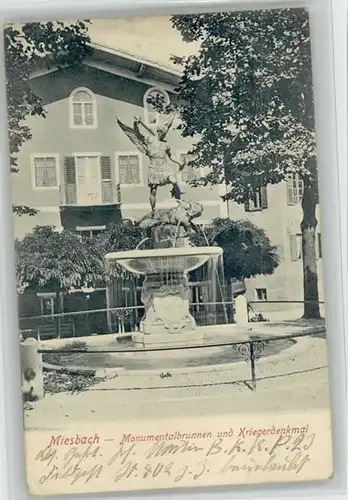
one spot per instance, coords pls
(153, 144)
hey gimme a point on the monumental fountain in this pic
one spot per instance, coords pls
(165, 291)
(165, 267)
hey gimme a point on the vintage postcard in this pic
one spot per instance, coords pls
(168, 251)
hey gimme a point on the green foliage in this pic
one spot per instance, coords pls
(248, 94)
(247, 97)
(27, 47)
(23, 210)
(247, 249)
(57, 261)
(126, 235)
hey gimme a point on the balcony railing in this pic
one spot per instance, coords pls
(110, 194)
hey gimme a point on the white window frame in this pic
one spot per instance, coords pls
(261, 195)
(71, 110)
(51, 296)
(290, 179)
(84, 155)
(177, 158)
(90, 228)
(298, 238)
(84, 229)
(145, 104)
(141, 168)
(33, 176)
(255, 207)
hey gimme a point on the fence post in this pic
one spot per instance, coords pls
(252, 363)
(241, 314)
(31, 370)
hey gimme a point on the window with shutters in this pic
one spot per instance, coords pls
(106, 179)
(296, 246)
(294, 187)
(83, 109)
(129, 169)
(151, 96)
(88, 179)
(261, 294)
(45, 171)
(70, 192)
(258, 199)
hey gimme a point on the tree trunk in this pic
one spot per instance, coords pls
(309, 257)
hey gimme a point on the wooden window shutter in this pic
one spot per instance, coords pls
(70, 170)
(290, 191)
(105, 167)
(293, 247)
(264, 197)
(318, 246)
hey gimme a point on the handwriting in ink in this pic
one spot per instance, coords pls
(181, 461)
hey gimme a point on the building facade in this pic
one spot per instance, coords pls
(80, 168)
(80, 171)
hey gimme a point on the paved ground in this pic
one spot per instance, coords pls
(296, 379)
(294, 393)
(186, 358)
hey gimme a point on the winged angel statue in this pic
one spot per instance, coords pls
(152, 142)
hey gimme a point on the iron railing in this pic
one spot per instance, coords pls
(249, 350)
(110, 194)
(275, 310)
(127, 319)
(113, 320)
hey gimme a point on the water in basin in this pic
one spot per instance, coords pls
(164, 260)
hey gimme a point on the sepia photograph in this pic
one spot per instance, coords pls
(166, 221)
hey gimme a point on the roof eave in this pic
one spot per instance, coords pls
(137, 66)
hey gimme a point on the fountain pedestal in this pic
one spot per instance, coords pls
(163, 340)
(166, 301)
(167, 319)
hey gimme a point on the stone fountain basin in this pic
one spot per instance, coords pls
(164, 260)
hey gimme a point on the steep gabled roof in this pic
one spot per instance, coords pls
(123, 63)
(120, 53)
